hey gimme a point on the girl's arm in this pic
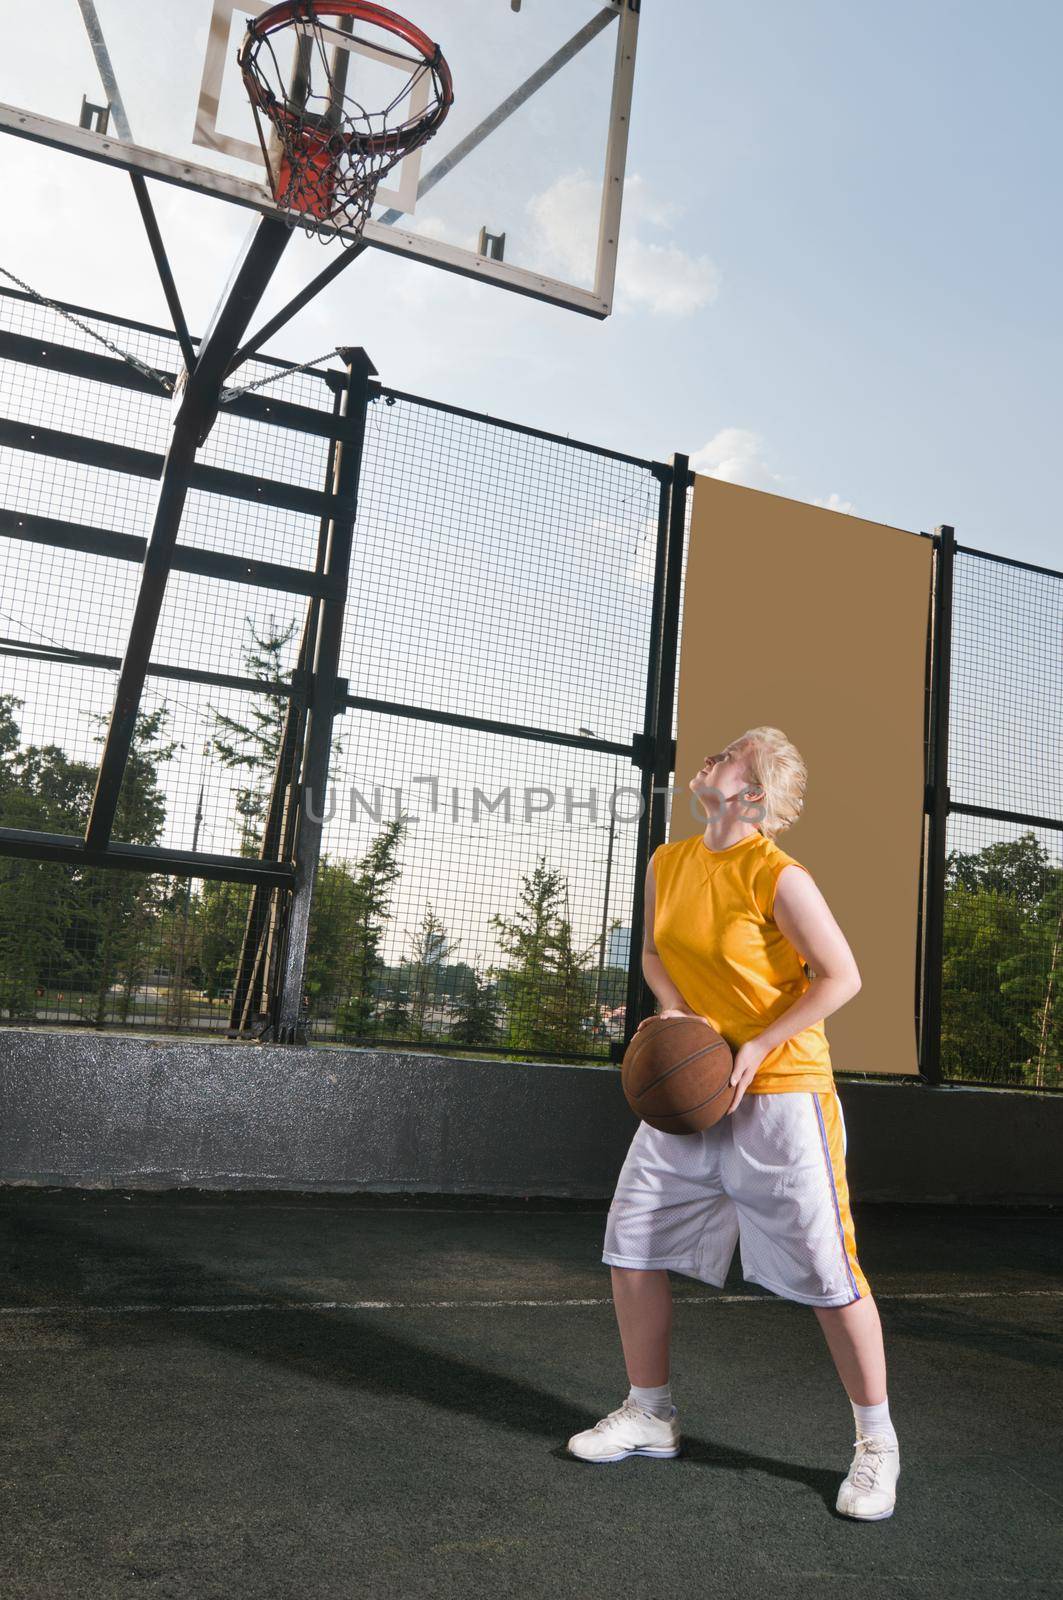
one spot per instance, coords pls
(806, 919)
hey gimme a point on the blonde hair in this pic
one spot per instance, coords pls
(771, 762)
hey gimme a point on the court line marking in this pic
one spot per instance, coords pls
(481, 1305)
(1032, 1485)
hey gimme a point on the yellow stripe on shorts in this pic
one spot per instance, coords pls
(832, 1134)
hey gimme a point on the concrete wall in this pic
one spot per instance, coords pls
(92, 1110)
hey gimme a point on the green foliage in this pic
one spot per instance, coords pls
(477, 1012)
(255, 744)
(1003, 966)
(430, 947)
(346, 929)
(82, 928)
(547, 988)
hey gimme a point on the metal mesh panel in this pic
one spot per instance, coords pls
(1002, 975)
(115, 949)
(121, 947)
(66, 599)
(254, 532)
(73, 492)
(1005, 728)
(508, 577)
(501, 573)
(466, 868)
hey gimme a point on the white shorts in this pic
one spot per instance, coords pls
(771, 1174)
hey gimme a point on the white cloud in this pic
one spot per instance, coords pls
(562, 215)
(642, 205)
(661, 278)
(834, 502)
(737, 456)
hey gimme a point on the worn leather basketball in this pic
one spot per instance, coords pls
(675, 1074)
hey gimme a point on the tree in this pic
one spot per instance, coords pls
(477, 1011)
(542, 987)
(568, 1000)
(219, 922)
(1000, 968)
(120, 910)
(430, 949)
(255, 744)
(40, 790)
(360, 963)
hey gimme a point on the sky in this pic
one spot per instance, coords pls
(837, 278)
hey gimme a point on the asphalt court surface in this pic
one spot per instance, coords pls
(266, 1395)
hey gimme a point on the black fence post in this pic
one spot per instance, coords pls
(258, 970)
(936, 807)
(289, 1023)
(655, 747)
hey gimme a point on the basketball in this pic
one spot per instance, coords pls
(675, 1074)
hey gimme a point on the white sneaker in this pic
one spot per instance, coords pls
(869, 1490)
(628, 1431)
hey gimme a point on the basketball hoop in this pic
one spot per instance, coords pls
(326, 154)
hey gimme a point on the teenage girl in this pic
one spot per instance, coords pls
(733, 929)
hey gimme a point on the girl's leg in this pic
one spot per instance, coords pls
(854, 1335)
(642, 1301)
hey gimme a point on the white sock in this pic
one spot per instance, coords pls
(658, 1400)
(874, 1419)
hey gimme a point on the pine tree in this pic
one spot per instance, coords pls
(361, 964)
(121, 910)
(477, 1011)
(1001, 919)
(430, 948)
(544, 987)
(255, 743)
(568, 1001)
(40, 790)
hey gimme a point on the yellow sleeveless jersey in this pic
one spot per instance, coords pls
(714, 932)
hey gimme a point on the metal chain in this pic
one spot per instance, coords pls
(274, 377)
(134, 361)
(227, 395)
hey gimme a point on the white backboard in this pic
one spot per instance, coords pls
(521, 186)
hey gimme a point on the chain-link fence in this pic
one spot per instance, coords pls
(481, 821)
(1002, 928)
(506, 690)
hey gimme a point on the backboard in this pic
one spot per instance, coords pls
(520, 187)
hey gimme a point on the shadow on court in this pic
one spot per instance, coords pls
(369, 1395)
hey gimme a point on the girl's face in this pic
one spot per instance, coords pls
(720, 777)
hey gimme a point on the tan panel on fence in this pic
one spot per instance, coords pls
(816, 623)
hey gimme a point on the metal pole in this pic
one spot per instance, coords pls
(116, 107)
(195, 405)
(655, 747)
(162, 262)
(664, 744)
(266, 909)
(605, 898)
(289, 1025)
(178, 980)
(937, 808)
(309, 292)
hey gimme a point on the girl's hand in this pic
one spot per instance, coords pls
(673, 1011)
(747, 1059)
